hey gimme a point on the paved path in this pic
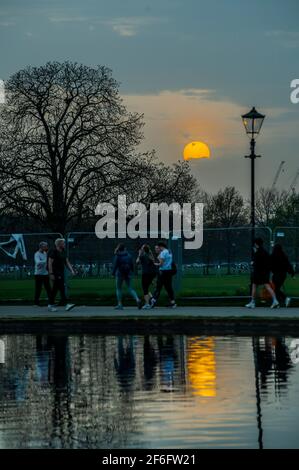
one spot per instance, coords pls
(181, 313)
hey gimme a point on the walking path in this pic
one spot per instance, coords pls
(28, 312)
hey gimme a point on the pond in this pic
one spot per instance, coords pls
(99, 391)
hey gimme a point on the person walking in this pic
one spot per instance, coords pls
(165, 274)
(261, 273)
(149, 272)
(57, 261)
(41, 275)
(280, 267)
(123, 269)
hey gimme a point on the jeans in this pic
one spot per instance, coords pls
(119, 283)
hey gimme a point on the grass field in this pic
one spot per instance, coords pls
(101, 291)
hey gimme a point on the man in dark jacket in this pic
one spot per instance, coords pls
(280, 267)
(123, 269)
(261, 273)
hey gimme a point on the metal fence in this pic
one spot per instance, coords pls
(17, 267)
(226, 252)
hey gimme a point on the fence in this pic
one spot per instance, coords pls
(225, 254)
(17, 267)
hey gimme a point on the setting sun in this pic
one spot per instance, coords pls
(196, 150)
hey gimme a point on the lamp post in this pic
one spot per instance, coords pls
(253, 122)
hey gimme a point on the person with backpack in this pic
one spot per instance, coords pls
(166, 270)
(261, 273)
(123, 269)
(149, 272)
(280, 267)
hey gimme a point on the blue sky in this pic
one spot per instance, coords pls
(192, 67)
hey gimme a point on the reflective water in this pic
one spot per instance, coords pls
(148, 391)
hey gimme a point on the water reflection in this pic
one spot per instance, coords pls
(147, 391)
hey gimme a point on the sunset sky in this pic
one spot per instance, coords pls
(191, 66)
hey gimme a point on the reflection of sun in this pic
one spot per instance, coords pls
(196, 150)
(201, 365)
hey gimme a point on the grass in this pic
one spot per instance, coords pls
(101, 291)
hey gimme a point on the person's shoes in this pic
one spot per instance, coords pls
(146, 307)
(36, 305)
(275, 304)
(51, 308)
(250, 305)
(139, 304)
(119, 307)
(69, 307)
(288, 301)
(172, 305)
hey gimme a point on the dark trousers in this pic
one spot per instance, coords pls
(164, 280)
(58, 286)
(278, 281)
(40, 281)
(146, 280)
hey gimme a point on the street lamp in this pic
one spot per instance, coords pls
(253, 122)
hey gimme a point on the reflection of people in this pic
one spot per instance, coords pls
(125, 362)
(168, 359)
(273, 356)
(57, 261)
(41, 274)
(43, 357)
(149, 362)
(261, 273)
(280, 267)
(149, 272)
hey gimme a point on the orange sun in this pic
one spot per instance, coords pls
(196, 150)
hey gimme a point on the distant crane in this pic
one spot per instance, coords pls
(294, 182)
(277, 174)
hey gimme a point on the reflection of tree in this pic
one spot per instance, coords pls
(80, 391)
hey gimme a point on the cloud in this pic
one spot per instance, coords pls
(175, 118)
(286, 38)
(130, 26)
(7, 24)
(123, 26)
(69, 19)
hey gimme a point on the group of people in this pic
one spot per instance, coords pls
(50, 273)
(160, 269)
(157, 270)
(264, 265)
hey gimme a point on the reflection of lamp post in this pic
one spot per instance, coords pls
(255, 346)
(252, 122)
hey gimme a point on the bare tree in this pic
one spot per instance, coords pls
(272, 206)
(226, 208)
(64, 135)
